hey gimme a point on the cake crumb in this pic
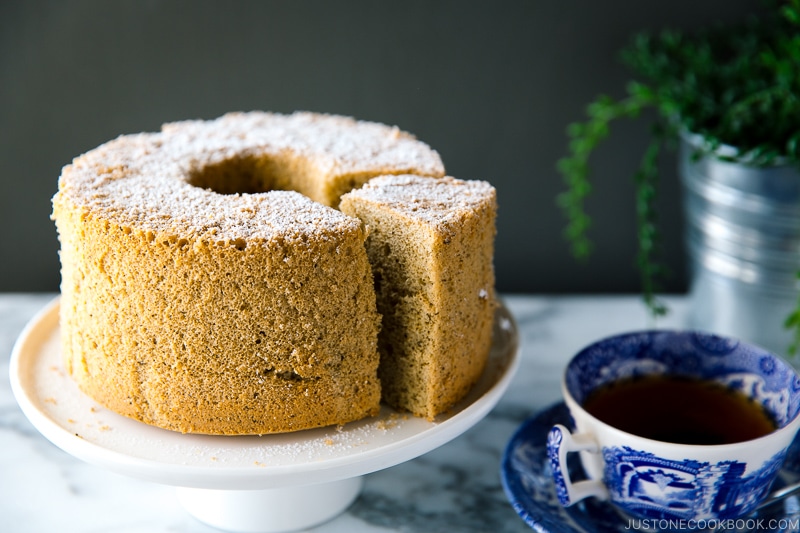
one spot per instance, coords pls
(390, 422)
(51, 400)
(329, 442)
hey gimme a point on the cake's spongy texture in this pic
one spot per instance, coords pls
(431, 245)
(201, 296)
(203, 337)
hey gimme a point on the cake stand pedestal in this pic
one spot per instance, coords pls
(253, 484)
(266, 510)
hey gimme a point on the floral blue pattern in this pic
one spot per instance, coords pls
(554, 439)
(653, 487)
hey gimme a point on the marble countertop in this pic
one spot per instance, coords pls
(455, 488)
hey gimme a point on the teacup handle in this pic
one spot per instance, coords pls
(559, 442)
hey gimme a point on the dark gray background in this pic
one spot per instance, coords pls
(491, 85)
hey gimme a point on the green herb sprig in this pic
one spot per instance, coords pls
(736, 85)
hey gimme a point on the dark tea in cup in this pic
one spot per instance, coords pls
(682, 410)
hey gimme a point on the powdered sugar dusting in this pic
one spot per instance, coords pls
(141, 181)
(434, 201)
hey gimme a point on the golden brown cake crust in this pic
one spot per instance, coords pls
(195, 301)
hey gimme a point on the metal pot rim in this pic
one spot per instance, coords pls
(698, 141)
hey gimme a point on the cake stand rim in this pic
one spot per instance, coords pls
(247, 478)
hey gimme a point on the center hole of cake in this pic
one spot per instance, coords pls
(239, 175)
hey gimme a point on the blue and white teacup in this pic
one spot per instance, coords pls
(661, 480)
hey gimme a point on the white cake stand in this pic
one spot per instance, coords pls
(252, 484)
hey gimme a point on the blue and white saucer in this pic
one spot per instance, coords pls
(528, 484)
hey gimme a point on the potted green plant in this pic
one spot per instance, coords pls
(728, 96)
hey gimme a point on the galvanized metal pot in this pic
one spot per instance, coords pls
(743, 241)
